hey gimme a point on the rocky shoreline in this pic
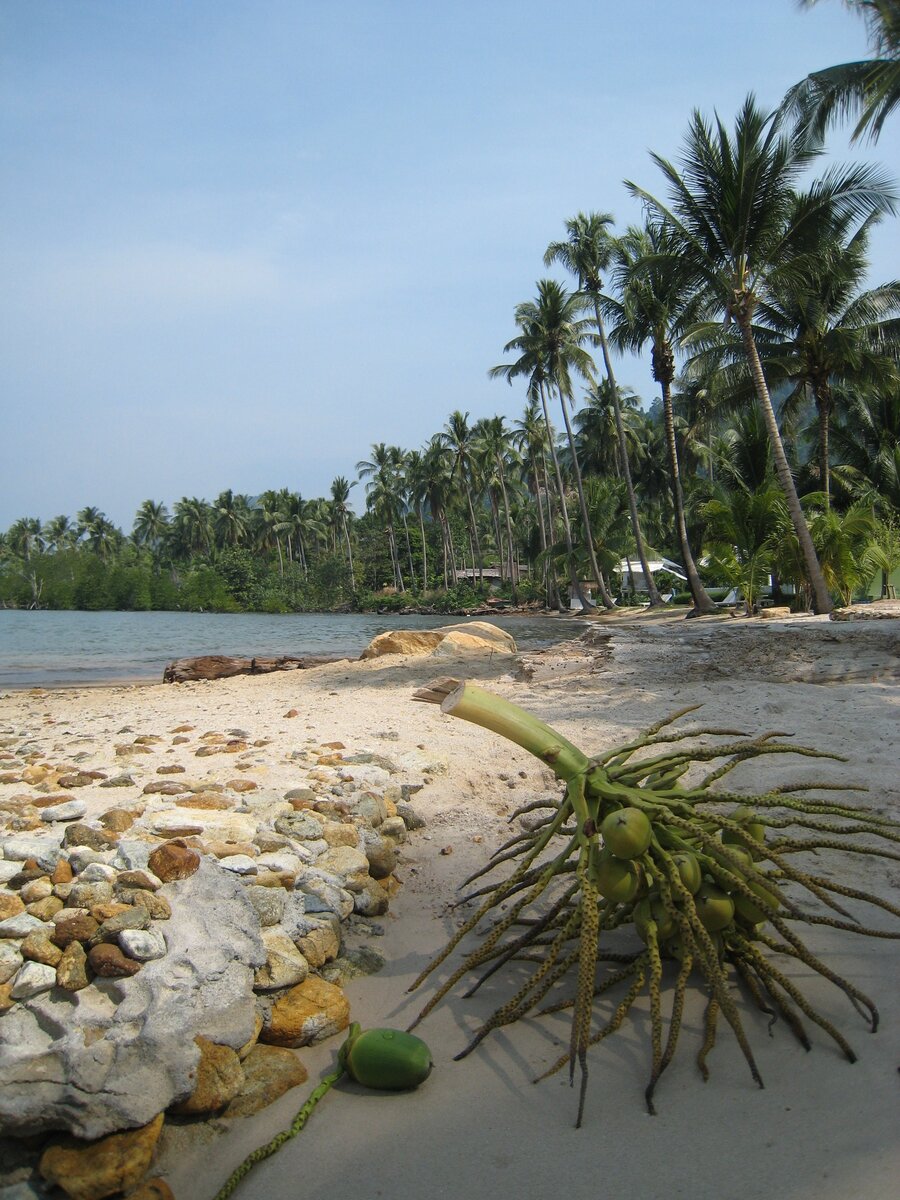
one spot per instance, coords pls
(167, 952)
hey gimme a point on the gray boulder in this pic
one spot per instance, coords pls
(118, 1052)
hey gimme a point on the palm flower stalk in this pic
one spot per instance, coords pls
(647, 837)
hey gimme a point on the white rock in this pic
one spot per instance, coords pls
(280, 860)
(142, 944)
(285, 965)
(10, 961)
(240, 864)
(140, 1056)
(10, 868)
(71, 810)
(21, 925)
(44, 850)
(98, 872)
(32, 979)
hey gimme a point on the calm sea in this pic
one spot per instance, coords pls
(39, 649)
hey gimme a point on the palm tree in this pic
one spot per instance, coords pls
(270, 521)
(746, 528)
(151, 523)
(340, 494)
(868, 89)
(530, 438)
(820, 327)
(59, 533)
(436, 490)
(231, 517)
(192, 525)
(867, 446)
(657, 306)
(457, 436)
(735, 215)
(24, 537)
(492, 441)
(587, 253)
(550, 347)
(383, 495)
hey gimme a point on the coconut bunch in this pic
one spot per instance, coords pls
(648, 837)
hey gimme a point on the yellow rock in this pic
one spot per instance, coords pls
(309, 1012)
(92, 1170)
(219, 1079)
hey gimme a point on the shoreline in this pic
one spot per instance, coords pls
(821, 1129)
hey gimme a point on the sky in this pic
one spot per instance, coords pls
(241, 241)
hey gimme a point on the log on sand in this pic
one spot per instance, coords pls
(223, 666)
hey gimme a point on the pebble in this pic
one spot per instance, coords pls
(10, 961)
(32, 979)
(71, 811)
(143, 944)
(240, 864)
(108, 961)
(71, 970)
(21, 925)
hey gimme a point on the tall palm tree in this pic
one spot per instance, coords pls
(436, 489)
(657, 306)
(597, 440)
(821, 327)
(492, 440)
(59, 533)
(868, 89)
(192, 522)
(734, 211)
(530, 438)
(457, 436)
(383, 496)
(340, 495)
(151, 524)
(24, 537)
(587, 253)
(552, 347)
(230, 518)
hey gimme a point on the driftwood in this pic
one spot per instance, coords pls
(223, 666)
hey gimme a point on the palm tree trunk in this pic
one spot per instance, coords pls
(424, 548)
(652, 590)
(513, 574)
(579, 487)
(586, 605)
(473, 525)
(349, 550)
(824, 404)
(703, 605)
(822, 601)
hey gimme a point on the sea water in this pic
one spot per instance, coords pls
(40, 648)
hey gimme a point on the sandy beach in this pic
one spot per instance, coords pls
(822, 1128)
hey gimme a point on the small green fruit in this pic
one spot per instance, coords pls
(626, 832)
(714, 908)
(752, 912)
(689, 870)
(652, 909)
(386, 1058)
(615, 879)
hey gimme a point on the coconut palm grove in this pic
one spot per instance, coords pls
(768, 459)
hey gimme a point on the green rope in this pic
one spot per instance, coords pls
(278, 1141)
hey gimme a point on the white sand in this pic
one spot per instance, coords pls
(821, 1130)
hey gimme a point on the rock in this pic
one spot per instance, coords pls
(284, 965)
(353, 964)
(173, 861)
(46, 909)
(323, 893)
(206, 801)
(221, 666)
(117, 819)
(98, 872)
(108, 961)
(472, 637)
(80, 834)
(157, 906)
(10, 905)
(71, 811)
(62, 872)
(219, 1078)
(269, 1072)
(36, 889)
(73, 926)
(240, 864)
(163, 787)
(139, 879)
(71, 970)
(175, 825)
(371, 809)
(10, 961)
(319, 946)
(395, 828)
(300, 826)
(90, 1171)
(309, 1012)
(380, 855)
(86, 895)
(123, 779)
(143, 945)
(132, 855)
(130, 917)
(252, 1040)
(268, 903)
(82, 856)
(347, 864)
(32, 979)
(38, 948)
(9, 870)
(44, 850)
(151, 1189)
(20, 925)
(371, 901)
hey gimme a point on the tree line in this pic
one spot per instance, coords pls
(774, 451)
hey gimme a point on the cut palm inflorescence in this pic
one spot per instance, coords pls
(648, 836)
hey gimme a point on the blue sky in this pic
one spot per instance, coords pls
(242, 240)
